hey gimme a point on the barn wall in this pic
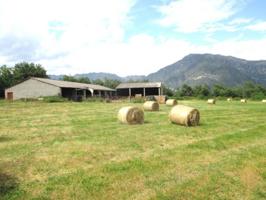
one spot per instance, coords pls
(33, 89)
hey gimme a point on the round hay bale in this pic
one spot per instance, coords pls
(211, 101)
(131, 115)
(184, 115)
(263, 101)
(229, 99)
(171, 102)
(151, 106)
(243, 101)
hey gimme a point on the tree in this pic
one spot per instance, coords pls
(186, 90)
(201, 91)
(84, 80)
(69, 78)
(24, 70)
(111, 83)
(6, 79)
(167, 91)
(98, 82)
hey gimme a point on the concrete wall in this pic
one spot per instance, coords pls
(33, 89)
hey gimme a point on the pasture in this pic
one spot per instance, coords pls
(80, 151)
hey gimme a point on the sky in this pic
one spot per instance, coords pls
(127, 37)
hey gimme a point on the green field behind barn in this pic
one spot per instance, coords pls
(80, 151)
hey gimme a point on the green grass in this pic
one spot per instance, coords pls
(80, 151)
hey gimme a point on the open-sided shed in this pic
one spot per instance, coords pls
(41, 87)
(145, 89)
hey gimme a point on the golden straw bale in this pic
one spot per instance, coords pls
(184, 115)
(151, 106)
(211, 101)
(131, 115)
(160, 99)
(171, 102)
(138, 96)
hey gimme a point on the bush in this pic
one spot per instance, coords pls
(137, 100)
(258, 96)
(28, 99)
(150, 98)
(95, 99)
(54, 99)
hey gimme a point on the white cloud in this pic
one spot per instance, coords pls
(258, 26)
(241, 48)
(239, 21)
(61, 26)
(195, 15)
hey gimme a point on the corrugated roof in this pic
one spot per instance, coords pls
(139, 85)
(68, 84)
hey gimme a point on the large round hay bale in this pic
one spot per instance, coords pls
(243, 101)
(171, 102)
(151, 106)
(131, 115)
(263, 101)
(211, 101)
(184, 115)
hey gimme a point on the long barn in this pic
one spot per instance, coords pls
(145, 89)
(41, 87)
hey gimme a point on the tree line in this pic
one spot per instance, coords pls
(247, 90)
(111, 83)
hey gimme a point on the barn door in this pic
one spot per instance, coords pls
(10, 96)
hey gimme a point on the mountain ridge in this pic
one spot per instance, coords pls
(198, 69)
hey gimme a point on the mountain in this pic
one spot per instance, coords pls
(99, 75)
(210, 69)
(135, 78)
(102, 76)
(196, 69)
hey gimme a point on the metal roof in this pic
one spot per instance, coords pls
(139, 85)
(68, 84)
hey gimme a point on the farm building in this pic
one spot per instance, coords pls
(41, 87)
(145, 89)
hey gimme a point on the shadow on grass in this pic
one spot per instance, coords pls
(8, 184)
(5, 139)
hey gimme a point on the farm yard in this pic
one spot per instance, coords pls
(80, 151)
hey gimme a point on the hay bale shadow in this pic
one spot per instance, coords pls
(5, 138)
(8, 184)
(147, 122)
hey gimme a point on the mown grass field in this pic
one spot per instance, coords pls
(80, 151)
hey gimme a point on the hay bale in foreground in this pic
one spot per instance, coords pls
(229, 99)
(171, 102)
(263, 101)
(131, 115)
(211, 101)
(151, 106)
(184, 115)
(243, 101)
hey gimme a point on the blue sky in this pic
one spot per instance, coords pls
(127, 37)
